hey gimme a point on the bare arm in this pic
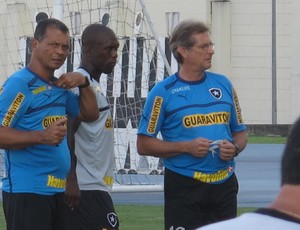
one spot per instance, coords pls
(72, 193)
(241, 140)
(89, 110)
(11, 138)
(158, 148)
(87, 99)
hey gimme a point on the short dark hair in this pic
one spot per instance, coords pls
(91, 33)
(290, 173)
(182, 36)
(43, 25)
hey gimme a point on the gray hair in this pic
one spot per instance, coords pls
(182, 36)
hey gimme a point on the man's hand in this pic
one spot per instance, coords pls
(55, 133)
(199, 147)
(71, 80)
(72, 193)
(227, 150)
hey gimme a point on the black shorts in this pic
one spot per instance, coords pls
(190, 203)
(28, 211)
(95, 212)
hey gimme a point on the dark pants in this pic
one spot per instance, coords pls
(28, 211)
(95, 212)
(190, 203)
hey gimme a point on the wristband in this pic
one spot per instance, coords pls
(85, 84)
(237, 150)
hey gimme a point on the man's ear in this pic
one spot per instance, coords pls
(34, 44)
(182, 51)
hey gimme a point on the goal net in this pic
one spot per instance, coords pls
(144, 59)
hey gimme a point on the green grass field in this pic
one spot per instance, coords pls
(266, 140)
(132, 217)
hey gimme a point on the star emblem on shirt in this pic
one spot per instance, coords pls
(216, 92)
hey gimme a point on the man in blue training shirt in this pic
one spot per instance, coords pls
(33, 109)
(198, 115)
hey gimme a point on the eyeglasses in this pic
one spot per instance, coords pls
(208, 46)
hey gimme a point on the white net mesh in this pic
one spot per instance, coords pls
(143, 60)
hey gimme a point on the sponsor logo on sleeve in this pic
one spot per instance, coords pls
(155, 114)
(237, 107)
(15, 105)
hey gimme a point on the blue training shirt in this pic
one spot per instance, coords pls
(182, 111)
(29, 103)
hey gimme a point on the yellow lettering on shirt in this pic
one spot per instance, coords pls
(50, 120)
(197, 120)
(15, 105)
(56, 182)
(39, 90)
(210, 178)
(108, 180)
(155, 114)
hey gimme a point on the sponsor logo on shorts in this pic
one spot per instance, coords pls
(155, 114)
(50, 120)
(56, 182)
(197, 120)
(237, 107)
(112, 219)
(15, 105)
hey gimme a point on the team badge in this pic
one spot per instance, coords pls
(216, 93)
(112, 219)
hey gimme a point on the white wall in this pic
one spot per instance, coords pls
(242, 30)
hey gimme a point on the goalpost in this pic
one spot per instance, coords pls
(144, 59)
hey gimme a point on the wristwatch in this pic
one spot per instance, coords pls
(85, 84)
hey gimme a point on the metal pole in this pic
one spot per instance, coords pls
(58, 9)
(274, 67)
(156, 37)
(58, 13)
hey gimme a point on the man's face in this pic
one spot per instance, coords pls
(104, 53)
(53, 50)
(200, 55)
